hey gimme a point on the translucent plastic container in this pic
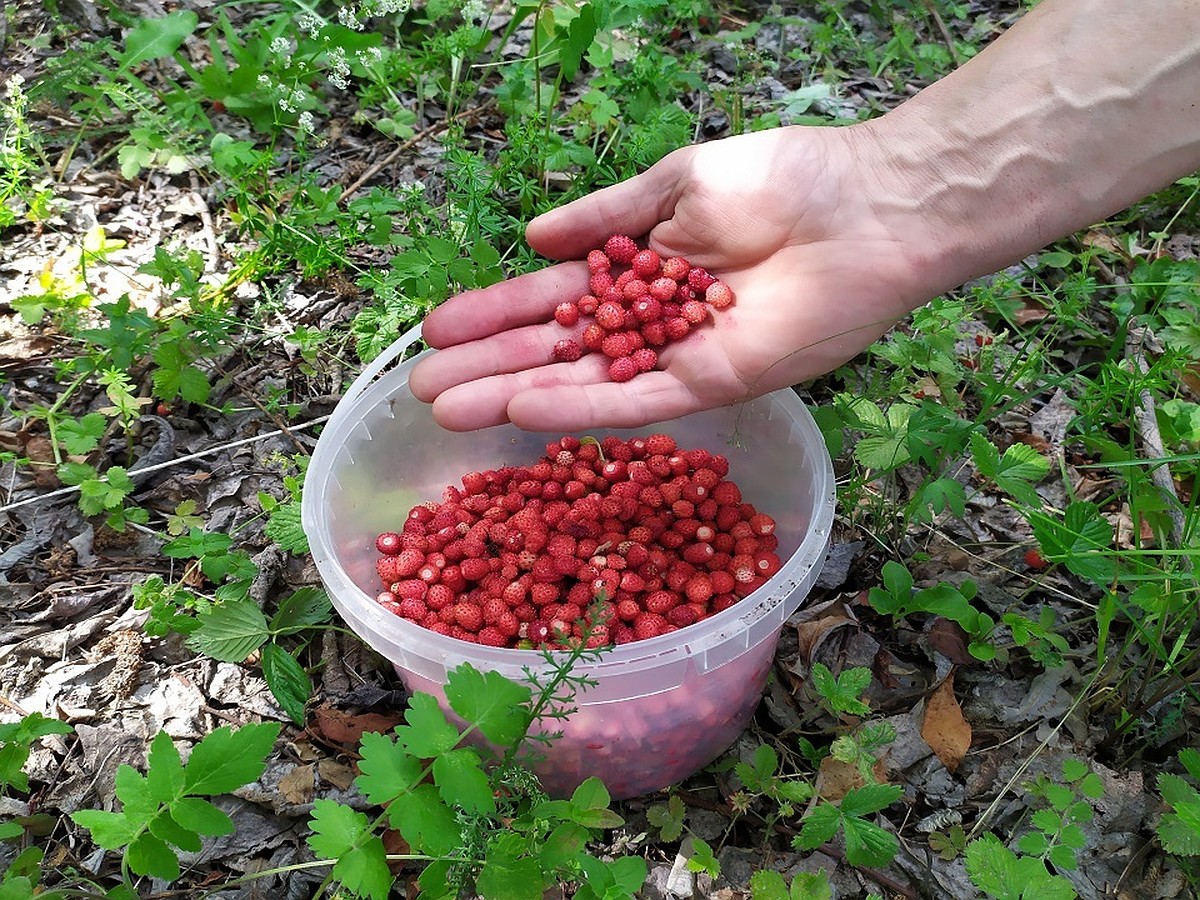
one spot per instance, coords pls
(662, 708)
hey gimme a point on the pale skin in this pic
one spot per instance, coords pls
(829, 236)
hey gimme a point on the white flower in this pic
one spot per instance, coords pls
(306, 122)
(339, 69)
(308, 23)
(474, 11)
(264, 81)
(282, 48)
(12, 89)
(370, 56)
(348, 16)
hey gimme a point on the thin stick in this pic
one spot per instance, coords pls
(66, 491)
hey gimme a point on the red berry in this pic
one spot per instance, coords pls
(620, 248)
(634, 289)
(622, 369)
(600, 284)
(694, 312)
(645, 359)
(646, 309)
(389, 542)
(610, 316)
(663, 288)
(587, 305)
(593, 336)
(566, 314)
(645, 263)
(567, 350)
(1035, 560)
(616, 345)
(654, 333)
(469, 616)
(598, 261)
(676, 268)
(698, 279)
(719, 294)
(660, 445)
(677, 328)
(648, 625)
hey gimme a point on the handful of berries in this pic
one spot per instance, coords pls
(598, 542)
(637, 311)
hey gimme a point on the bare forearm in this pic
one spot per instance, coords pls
(1082, 108)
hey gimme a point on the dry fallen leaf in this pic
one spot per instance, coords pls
(835, 778)
(345, 728)
(945, 730)
(297, 785)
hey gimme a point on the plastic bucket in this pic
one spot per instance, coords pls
(661, 708)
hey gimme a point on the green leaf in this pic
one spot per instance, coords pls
(943, 495)
(701, 859)
(149, 855)
(1190, 758)
(231, 631)
(226, 759)
(1073, 769)
(507, 876)
(842, 693)
(867, 844)
(811, 886)
(563, 846)
(201, 816)
(109, 830)
(284, 528)
(1179, 831)
(425, 821)
(156, 38)
(164, 827)
(387, 771)
(10, 830)
(1014, 472)
(133, 790)
(165, 769)
(870, 798)
(303, 608)
(668, 819)
(767, 884)
(819, 827)
(1034, 843)
(343, 834)
(495, 704)
(80, 436)
(461, 781)
(887, 448)
(591, 794)
(288, 681)
(1063, 857)
(428, 733)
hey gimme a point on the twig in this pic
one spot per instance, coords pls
(66, 491)
(207, 228)
(274, 417)
(376, 167)
(946, 36)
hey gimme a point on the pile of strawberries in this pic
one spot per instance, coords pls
(639, 310)
(598, 542)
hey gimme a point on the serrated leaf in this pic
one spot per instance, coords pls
(82, 435)
(767, 884)
(230, 631)
(811, 886)
(563, 846)
(1190, 759)
(164, 772)
(591, 794)
(867, 844)
(164, 827)
(133, 790)
(944, 495)
(1063, 857)
(303, 608)
(1014, 472)
(425, 821)
(1179, 830)
(870, 798)
(819, 826)
(285, 529)
(461, 781)
(1175, 790)
(668, 819)
(201, 816)
(109, 830)
(156, 38)
(506, 876)
(289, 683)
(1034, 843)
(428, 732)
(225, 759)
(387, 771)
(1073, 769)
(341, 833)
(149, 855)
(491, 702)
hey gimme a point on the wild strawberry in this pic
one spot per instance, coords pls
(622, 369)
(698, 279)
(645, 359)
(593, 336)
(982, 340)
(616, 345)
(663, 289)
(676, 268)
(726, 493)
(722, 602)
(677, 328)
(492, 609)
(438, 596)
(699, 588)
(761, 523)
(634, 289)
(468, 615)
(620, 248)
(610, 316)
(645, 263)
(719, 295)
(600, 284)
(567, 350)
(661, 601)
(566, 314)
(694, 311)
(395, 568)
(598, 261)
(660, 445)
(1035, 560)
(654, 333)
(646, 309)
(682, 616)
(490, 636)
(587, 305)
(412, 609)
(766, 564)
(389, 543)
(648, 625)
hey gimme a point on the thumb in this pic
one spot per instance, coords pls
(632, 207)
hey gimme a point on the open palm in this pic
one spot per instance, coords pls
(791, 219)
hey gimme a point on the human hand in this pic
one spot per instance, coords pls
(795, 220)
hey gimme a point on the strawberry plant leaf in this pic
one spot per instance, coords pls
(201, 816)
(289, 683)
(428, 733)
(387, 772)
(1190, 758)
(461, 781)
(1015, 472)
(767, 884)
(867, 844)
(496, 705)
(942, 495)
(303, 608)
(82, 435)
(230, 631)
(811, 886)
(507, 874)
(819, 826)
(668, 819)
(149, 855)
(1179, 830)
(870, 798)
(226, 759)
(284, 528)
(562, 846)
(426, 822)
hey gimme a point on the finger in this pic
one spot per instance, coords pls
(524, 300)
(632, 207)
(514, 350)
(652, 397)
